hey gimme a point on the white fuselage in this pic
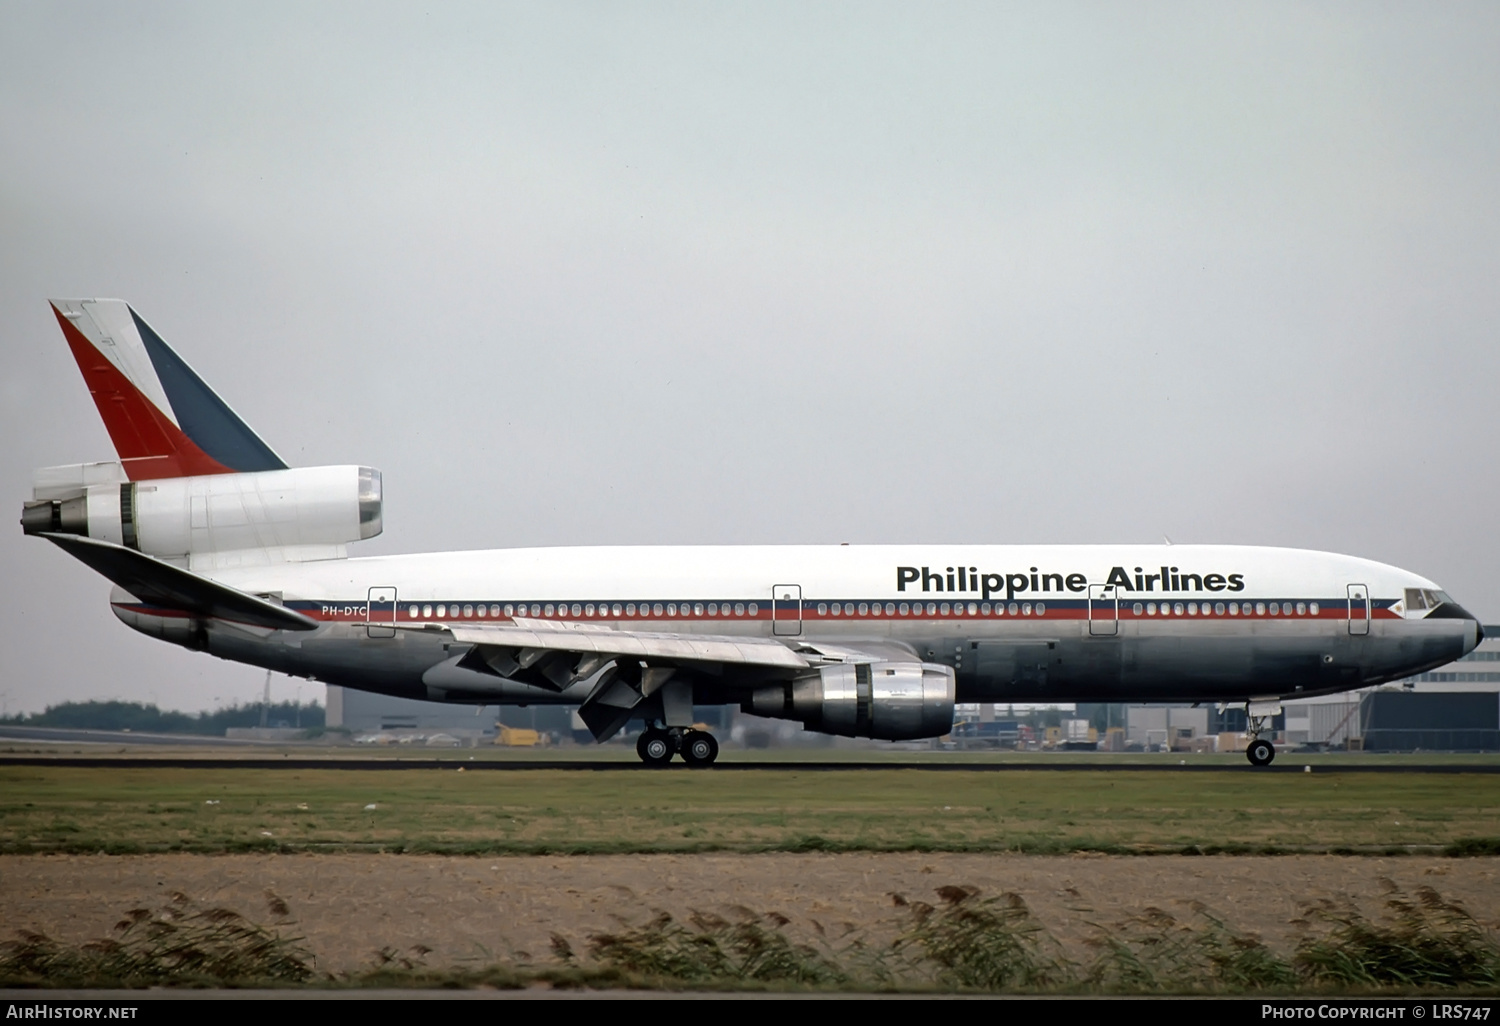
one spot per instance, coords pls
(1098, 622)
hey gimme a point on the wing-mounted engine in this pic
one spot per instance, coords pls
(212, 520)
(891, 701)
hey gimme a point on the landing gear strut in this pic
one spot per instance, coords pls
(1260, 752)
(656, 746)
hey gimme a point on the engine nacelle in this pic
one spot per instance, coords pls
(271, 515)
(889, 701)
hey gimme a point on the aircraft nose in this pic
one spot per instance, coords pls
(1473, 633)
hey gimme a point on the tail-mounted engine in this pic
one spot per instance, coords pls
(889, 701)
(276, 515)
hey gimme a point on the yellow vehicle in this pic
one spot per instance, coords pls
(519, 737)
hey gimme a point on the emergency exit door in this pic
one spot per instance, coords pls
(1104, 610)
(1359, 609)
(380, 613)
(786, 610)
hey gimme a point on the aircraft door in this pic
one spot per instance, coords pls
(1104, 610)
(1359, 609)
(380, 613)
(786, 610)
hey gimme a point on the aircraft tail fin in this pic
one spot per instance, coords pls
(163, 419)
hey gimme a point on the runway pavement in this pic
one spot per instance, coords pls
(126, 749)
(66, 735)
(290, 762)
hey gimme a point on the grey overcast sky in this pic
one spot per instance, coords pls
(636, 273)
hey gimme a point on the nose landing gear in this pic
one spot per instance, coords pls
(1258, 715)
(1260, 752)
(656, 746)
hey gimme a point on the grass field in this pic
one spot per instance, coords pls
(113, 810)
(1111, 933)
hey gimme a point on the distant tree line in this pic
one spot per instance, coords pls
(138, 716)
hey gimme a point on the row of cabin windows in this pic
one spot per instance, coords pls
(931, 609)
(1220, 609)
(673, 609)
(442, 610)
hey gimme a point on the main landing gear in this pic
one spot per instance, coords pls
(1260, 752)
(656, 746)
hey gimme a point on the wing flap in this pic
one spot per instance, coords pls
(151, 580)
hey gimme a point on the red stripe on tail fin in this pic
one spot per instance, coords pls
(147, 442)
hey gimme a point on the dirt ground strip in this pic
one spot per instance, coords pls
(348, 907)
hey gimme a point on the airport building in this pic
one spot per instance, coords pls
(364, 713)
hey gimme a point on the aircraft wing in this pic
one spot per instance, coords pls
(638, 666)
(601, 640)
(152, 580)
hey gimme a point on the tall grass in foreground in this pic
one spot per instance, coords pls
(178, 944)
(751, 949)
(1425, 942)
(965, 941)
(979, 943)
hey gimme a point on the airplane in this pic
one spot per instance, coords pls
(215, 544)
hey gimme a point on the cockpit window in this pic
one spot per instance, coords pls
(1419, 599)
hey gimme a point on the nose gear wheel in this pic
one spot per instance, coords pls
(1260, 752)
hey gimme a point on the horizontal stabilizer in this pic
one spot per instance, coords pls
(151, 580)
